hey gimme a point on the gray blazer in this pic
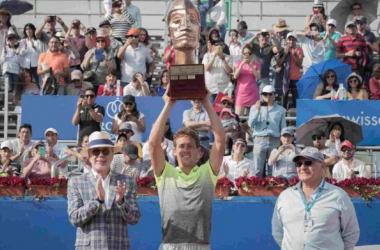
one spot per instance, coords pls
(100, 228)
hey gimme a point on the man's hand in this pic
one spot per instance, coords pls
(51, 152)
(22, 147)
(165, 145)
(79, 103)
(100, 190)
(58, 73)
(207, 98)
(226, 169)
(350, 53)
(120, 191)
(59, 20)
(287, 50)
(245, 173)
(166, 98)
(258, 105)
(46, 19)
(85, 103)
(358, 53)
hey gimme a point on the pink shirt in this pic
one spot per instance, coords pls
(295, 73)
(40, 168)
(374, 86)
(103, 89)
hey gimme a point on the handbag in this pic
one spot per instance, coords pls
(89, 75)
(51, 85)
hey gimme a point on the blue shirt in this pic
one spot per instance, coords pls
(202, 9)
(267, 122)
(246, 38)
(331, 53)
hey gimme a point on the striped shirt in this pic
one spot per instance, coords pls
(120, 26)
(346, 43)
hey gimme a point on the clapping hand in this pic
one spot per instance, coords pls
(100, 190)
(120, 191)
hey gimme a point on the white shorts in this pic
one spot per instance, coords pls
(184, 246)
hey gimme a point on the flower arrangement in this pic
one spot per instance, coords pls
(50, 182)
(146, 182)
(268, 182)
(13, 181)
(47, 187)
(225, 182)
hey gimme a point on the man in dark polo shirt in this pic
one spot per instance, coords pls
(88, 114)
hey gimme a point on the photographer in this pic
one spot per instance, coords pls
(77, 40)
(44, 37)
(267, 119)
(88, 114)
(120, 19)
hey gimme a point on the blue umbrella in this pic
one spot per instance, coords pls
(313, 77)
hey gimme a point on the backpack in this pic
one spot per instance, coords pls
(51, 85)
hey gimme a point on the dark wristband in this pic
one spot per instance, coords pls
(100, 201)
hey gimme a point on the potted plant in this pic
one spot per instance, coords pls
(12, 186)
(365, 188)
(146, 186)
(47, 187)
(223, 187)
(257, 186)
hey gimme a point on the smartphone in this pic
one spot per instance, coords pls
(41, 151)
(111, 86)
(116, 5)
(53, 18)
(263, 104)
(356, 172)
(219, 47)
(99, 54)
(76, 25)
(287, 146)
(315, 12)
(81, 96)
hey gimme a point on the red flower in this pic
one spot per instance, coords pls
(146, 181)
(54, 181)
(13, 181)
(225, 182)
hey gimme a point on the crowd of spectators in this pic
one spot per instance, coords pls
(118, 59)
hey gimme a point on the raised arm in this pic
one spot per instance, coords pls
(217, 150)
(156, 152)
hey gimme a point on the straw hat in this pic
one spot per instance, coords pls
(280, 25)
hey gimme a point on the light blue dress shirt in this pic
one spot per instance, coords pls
(267, 122)
(334, 223)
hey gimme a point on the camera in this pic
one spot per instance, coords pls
(52, 18)
(76, 25)
(263, 103)
(116, 4)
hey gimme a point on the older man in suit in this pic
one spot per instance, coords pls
(101, 203)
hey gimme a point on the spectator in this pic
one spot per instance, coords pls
(218, 17)
(203, 8)
(234, 46)
(120, 19)
(374, 83)
(217, 67)
(57, 62)
(110, 88)
(144, 39)
(313, 46)
(373, 46)
(26, 86)
(76, 39)
(127, 162)
(264, 52)
(52, 144)
(44, 37)
(281, 30)
(86, 206)
(137, 87)
(134, 57)
(39, 165)
(135, 13)
(246, 73)
(168, 131)
(236, 165)
(22, 145)
(291, 63)
(328, 87)
(351, 47)
(316, 208)
(7, 166)
(169, 55)
(81, 153)
(197, 119)
(89, 35)
(66, 48)
(280, 158)
(349, 167)
(10, 61)
(167, 145)
(78, 85)
(356, 12)
(131, 115)
(99, 64)
(163, 83)
(230, 125)
(30, 51)
(106, 28)
(88, 114)
(244, 35)
(331, 37)
(125, 129)
(319, 17)
(5, 26)
(354, 90)
(336, 136)
(267, 123)
(330, 154)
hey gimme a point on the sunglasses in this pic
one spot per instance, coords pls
(346, 149)
(331, 25)
(332, 76)
(100, 41)
(167, 124)
(134, 36)
(267, 94)
(124, 131)
(128, 103)
(105, 151)
(315, 137)
(353, 81)
(317, 7)
(306, 163)
(359, 22)
(89, 96)
(226, 103)
(247, 53)
(357, 8)
(75, 80)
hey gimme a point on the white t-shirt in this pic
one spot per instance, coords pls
(137, 137)
(134, 61)
(217, 79)
(341, 171)
(17, 148)
(59, 150)
(235, 169)
(169, 149)
(313, 53)
(130, 90)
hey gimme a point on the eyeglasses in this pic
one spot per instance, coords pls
(359, 22)
(123, 131)
(306, 163)
(226, 103)
(100, 41)
(353, 81)
(128, 103)
(357, 8)
(317, 7)
(315, 137)
(345, 149)
(241, 145)
(105, 151)
(89, 96)
(267, 94)
(332, 76)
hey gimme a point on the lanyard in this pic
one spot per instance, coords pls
(308, 207)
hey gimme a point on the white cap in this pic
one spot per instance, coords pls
(293, 34)
(264, 31)
(51, 130)
(7, 144)
(60, 34)
(318, 3)
(268, 89)
(331, 21)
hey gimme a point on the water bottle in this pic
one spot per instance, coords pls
(342, 93)
(333, 94)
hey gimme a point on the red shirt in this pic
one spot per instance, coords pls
(346, 43)
(374, 86)
(103, 89)
(295, 73)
